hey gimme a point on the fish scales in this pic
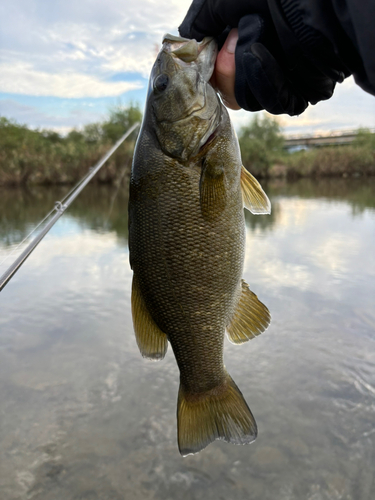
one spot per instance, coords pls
(187, 240)
(183, 295)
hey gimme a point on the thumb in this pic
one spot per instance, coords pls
(225, 71)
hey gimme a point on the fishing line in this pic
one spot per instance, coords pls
(59, 208)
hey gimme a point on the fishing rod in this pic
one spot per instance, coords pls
(60, 207)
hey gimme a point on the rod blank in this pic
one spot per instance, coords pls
(60, 209)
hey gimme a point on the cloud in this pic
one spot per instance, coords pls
(23, 79)
(79, 114)
(241, 118)
(349, 108)
(71, 49)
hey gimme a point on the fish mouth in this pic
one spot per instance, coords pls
(187, 51)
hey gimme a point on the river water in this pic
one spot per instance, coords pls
(84, 416)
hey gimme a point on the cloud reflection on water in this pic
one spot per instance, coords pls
(85, 416)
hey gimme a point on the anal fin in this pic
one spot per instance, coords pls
(254, 198)
(250, 317)
(152, 342)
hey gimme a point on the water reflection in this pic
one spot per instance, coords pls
(99, 208)
(102, 207)
(358, 193)
(85, 417)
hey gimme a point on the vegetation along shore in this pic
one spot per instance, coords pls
(45, 157)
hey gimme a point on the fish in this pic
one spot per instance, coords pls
(188, 190)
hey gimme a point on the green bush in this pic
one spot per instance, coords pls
(119, 121)
(365, 139)
(261, 145)
(45, 157)
(354, 159)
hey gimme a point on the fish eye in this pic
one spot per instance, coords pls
(161, 82)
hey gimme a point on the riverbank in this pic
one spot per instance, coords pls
(334, 161)
(43, 157)
(263, 154)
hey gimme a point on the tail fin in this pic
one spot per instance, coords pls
(221, 413)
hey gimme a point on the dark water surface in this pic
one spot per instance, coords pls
(84, 416)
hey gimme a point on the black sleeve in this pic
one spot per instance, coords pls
(290, 53)
(334, 33)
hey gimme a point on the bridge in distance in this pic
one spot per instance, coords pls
(336, 138)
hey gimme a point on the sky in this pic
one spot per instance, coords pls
(64, 64)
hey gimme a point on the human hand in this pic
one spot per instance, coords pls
(210, 18)
(255, 73)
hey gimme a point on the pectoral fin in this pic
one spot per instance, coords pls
(254, 198)
(152, 342)
(250, 318)
(212, 190)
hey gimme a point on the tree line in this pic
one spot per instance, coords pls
(30, 156)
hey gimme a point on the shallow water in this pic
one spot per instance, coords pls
(84, 416)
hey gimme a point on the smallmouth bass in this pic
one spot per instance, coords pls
(188, 189)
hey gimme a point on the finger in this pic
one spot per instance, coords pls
(268, 83)
(260, 81)
(225, 71)
(316, 86)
